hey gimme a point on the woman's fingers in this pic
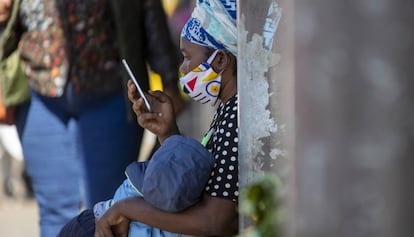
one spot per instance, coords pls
(139, 107)
(161, 120)
(103, 231)
(132, 91)
(122, 228)
(160, 96)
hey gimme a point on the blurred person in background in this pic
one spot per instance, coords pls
(13, 183)
(77, 131)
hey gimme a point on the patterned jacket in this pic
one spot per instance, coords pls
(59, 41)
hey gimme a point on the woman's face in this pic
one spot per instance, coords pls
(193, 55)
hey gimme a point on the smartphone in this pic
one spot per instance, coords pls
(136, 84)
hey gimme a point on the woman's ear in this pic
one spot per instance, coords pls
(221, 61)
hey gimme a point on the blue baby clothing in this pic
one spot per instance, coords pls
(136, 229)
(173, 180)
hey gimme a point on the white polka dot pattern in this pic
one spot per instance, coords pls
(223, 145)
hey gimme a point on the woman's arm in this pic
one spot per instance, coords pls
(211, 217)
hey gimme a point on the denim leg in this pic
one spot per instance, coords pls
(109, 144)
(50, 155)
(72, 142)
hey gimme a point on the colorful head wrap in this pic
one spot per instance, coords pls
(213, 24)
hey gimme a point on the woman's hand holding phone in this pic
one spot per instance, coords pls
(161, 118)
(161, 121)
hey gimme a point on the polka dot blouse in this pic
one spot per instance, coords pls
(224, 181)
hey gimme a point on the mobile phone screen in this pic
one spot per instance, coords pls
(136, 84)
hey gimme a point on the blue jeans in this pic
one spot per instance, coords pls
(135, 228)
(76, 149)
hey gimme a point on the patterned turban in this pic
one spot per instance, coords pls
(213, 25)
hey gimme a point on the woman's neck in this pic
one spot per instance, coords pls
(228, 87)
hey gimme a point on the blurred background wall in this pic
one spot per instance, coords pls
(350, 142)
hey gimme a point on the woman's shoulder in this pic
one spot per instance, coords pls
(232, 101)
(229, 109)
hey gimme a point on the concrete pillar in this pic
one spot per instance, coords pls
(265, 91)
